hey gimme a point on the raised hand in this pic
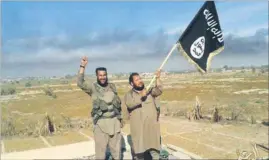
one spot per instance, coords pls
(84, 61)
(158, 73)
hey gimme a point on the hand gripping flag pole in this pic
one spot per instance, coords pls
(165, 60)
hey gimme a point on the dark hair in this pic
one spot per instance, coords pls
(131, 77)
(100, 69)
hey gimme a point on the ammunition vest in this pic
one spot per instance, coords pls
(106, 103)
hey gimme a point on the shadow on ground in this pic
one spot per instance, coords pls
(147, 155)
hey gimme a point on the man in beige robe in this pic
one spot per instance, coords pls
(144, 120)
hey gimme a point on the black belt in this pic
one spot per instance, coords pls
(104, 117)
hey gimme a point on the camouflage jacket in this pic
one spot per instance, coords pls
(105, 100)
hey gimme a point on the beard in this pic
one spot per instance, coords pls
(139, 88)
(102, 84)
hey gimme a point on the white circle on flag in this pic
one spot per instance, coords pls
(198, 47)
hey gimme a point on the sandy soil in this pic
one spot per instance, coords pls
(203, 139)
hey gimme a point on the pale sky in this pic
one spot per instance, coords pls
(48, 38)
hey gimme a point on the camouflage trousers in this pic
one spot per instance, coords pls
(102, 140)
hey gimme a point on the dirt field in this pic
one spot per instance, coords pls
(213, 141)
(245, 95)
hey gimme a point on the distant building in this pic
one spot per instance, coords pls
(148, 74)
(54, 78)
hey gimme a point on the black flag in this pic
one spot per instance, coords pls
(203, 38)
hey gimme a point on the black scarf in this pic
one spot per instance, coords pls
(139, 88)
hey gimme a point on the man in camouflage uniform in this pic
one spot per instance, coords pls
(143, 108)
(106, 112)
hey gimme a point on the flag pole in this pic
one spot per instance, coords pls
(165, 60)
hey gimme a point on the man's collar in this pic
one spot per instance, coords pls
(101, 86)
(135, 90)
(149, 91)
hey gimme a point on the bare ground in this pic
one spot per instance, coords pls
(201, 138)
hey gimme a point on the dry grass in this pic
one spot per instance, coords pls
(179, 94)
(88, 132)
(78, 104)
(65, 138)
(21, 144)
(212, 141)
(198, 149)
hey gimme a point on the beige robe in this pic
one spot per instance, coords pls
(144, 126)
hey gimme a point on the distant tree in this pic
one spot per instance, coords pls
(3, 92)
(265, 68)
(8, 126)
(68, 77)
(243, 69)
(28, 84)
(64, 82)
(218, 70)
(225, 67)
(8, 91)
(262, 70)
(11, 91)
(48, 91)
(253, 69)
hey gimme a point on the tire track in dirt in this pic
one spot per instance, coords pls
(83, 134)
(208, 145)
(45, 141)
(2, 147)
(208, 129)
(193, 129)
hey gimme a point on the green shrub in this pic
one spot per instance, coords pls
(253, 120)
(8, 91)
(11, 91)
(28, 84)
(48, 91)
(8, 127)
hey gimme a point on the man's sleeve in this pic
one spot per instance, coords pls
(113, 87)
(132, 102)
(157, 91)
(116, 100)
(86, 87)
